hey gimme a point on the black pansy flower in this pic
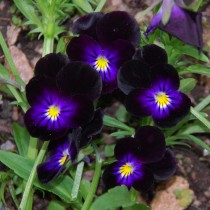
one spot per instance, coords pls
(140, 161)
(61, 102)
(152, 87)
(60, 152)
(105, 42)
(184, 24)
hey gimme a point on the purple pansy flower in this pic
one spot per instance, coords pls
(140, 161)
(60, 152)
(56, 104)
(105, 42)
(184, 24)
(152, 87)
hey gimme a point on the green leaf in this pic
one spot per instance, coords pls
(138, 206)
(121, 134)
(167, 5)
(122, 114)
(114, 198)
(197, 68)
(21, 137)
(109, 150)
(22, 167)
(56, 205)
(100, 5)
(84, 5)
(186, 85)
(112, 122)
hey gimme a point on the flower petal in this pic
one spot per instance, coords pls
(179, 108)
(50, 65)
(132, 75)
(78, 78)
(87, 24)
(151, 54)
(118, 25)
(166, 167)
(151, 144)
(91, 129)
(165, 73)
(145, 182)
(140, 102)
(125, 146)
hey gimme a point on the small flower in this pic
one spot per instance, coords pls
(105, 42)
(62, 101)
(152, 88)
(60, 152)
(183, 24)
(140, 161)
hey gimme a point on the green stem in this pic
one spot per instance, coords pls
(31, 178)
(77, 180)
(47, 46)
(95, 181)
(200, 117)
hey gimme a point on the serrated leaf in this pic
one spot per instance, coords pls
(114, 198)
(22, 167)
(21, 137)
(186, 85)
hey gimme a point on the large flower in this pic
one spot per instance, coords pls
(184, 24)
(140, 161)
(56, 104)
(152, 87)
(105, 42)
(60, 152)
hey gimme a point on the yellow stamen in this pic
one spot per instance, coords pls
(63, 160)
(101, 63)
(126, 170)
(53, 112)
(162, 99)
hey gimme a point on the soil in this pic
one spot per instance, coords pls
(193, 165)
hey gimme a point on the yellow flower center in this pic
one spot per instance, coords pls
(63, 160)
(53, 112)
(101, 63)
(162, 99)
(126, 170)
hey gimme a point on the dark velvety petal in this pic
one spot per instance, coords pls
(125, 146)
(178, 109)
(118, 25)
(87, 24)
(91, 129)
(78, 78)
(108, 179)
(166, 73)
(145, 182)
(36, 86)
(83, 48)
(140, 102)
(164, 168)
(50, 65)
(185, 25)
(151, 143)
(151, 54)
(132, 75)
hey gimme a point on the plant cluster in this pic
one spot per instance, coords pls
(107, 55)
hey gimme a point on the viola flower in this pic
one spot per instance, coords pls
(152, 88)
(105, 42)
(56, 104)
(183, 24)
(60, 152)
(140, 161)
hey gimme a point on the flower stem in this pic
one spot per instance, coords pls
(200, 117)
(77, 180)
(31, 178)
(95, 181)
(48, 46)
(205, 102)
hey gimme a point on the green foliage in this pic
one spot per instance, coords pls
(115, 198)
(186, 85)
